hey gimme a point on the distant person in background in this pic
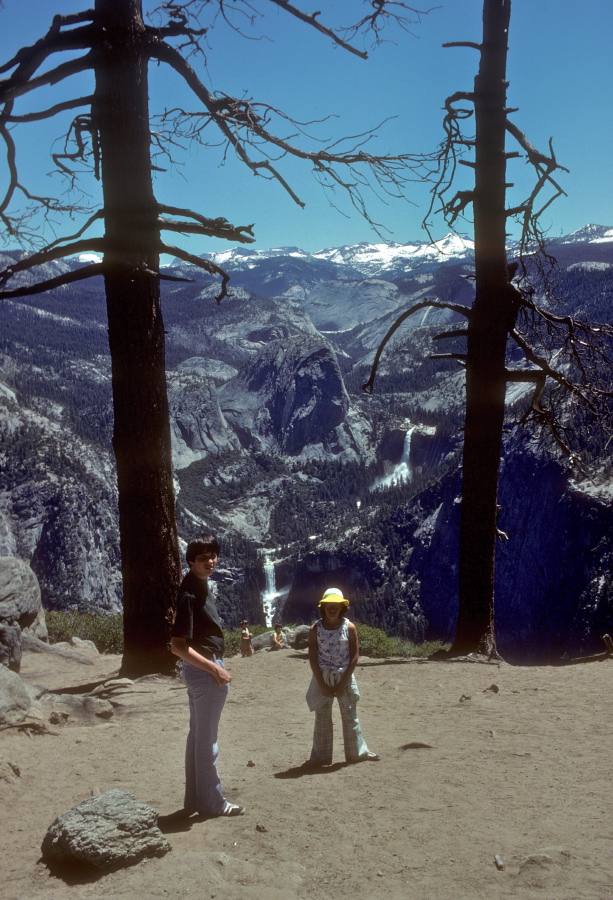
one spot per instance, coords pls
(333, 655)
(246, 644)
(197, 639)
(278, 639)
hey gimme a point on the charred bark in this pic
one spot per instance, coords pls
(492, 317)
(141, 439)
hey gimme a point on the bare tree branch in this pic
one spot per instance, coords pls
(459, 357)
(28, 59)
(51, 111)
(385, 11)
(186, 17)
(50, 254)
(243, 126)
(214, 227)
(312, 20)
(583, 393)
(12, 88)
(96, 217)
(436, 304)
(471, 44)
(450, 334)
(205, 264)
(51, 283)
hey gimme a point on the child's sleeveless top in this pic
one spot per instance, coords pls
(333, 646)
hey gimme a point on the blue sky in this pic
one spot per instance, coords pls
(560, 75)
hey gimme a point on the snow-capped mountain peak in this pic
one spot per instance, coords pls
(589, 234)
(372, 259)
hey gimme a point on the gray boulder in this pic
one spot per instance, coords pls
(38, 628)
(19, 593)
(67, 709)
(262, 641)
(20, 609)
(15, 701)
(29, 642)
(84, 645)
(108, 830)
(76, 709)
(10, 646)
(297, 638)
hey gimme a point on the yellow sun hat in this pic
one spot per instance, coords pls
(333, 595)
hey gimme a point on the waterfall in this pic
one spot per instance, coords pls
(402, 470)
(270, 594)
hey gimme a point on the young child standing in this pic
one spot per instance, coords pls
(246, 644)
(333, 656)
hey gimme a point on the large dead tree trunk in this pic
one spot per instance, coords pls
(492, 317)
(141, 439)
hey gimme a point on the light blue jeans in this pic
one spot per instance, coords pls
(206, 701)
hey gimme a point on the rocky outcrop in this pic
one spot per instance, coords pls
(20, 602)
(22, 703)
(10, 647)
(15, 701)
(339, 306)
(198, 426)
(21, 611)
(58, 509)
(554, 593)
(234, 330)
(292, 394)
(205, 368)
(77, 558)
(64, 649)
(67, 709)
(108, 830)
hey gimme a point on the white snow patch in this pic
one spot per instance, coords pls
(89, 257)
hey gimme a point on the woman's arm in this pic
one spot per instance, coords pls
(326, 690)
(181, 648)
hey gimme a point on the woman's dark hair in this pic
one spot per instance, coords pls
(202, 543)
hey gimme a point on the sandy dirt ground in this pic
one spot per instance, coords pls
(523, 772)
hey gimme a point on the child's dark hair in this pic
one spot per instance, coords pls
(202, 543)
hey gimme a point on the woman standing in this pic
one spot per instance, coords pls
(333, 655)
(197, 639)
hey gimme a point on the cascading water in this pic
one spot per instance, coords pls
(270, 594)
(401, 471)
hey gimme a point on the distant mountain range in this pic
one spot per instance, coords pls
(393, 260)
(276, 446)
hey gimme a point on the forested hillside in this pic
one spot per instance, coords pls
(364, 495)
